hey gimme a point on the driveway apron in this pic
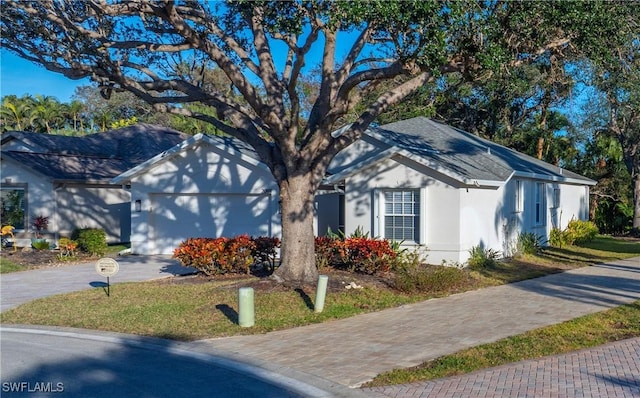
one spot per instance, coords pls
(21, 287)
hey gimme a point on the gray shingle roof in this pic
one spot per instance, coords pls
(95, 157)
(463, 155)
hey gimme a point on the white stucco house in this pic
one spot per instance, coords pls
(206, 186)
(418, 181)
(443, 191)
(68, 179)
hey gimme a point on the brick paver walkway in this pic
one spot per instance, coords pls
(611, 371)
(354, 350)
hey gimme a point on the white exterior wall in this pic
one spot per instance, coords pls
(107, 208)
(203, 170)
(573, 203)
(484, 215)
(440, 215)
(455, 218)
(69, 206)
(39, 193)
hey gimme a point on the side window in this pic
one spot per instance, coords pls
(13, 209)
(540, 206)
(518, 197)
(402, 215)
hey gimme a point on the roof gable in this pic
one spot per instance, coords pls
(465, 157)
(228, 145)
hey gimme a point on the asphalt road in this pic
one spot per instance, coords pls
(39, 363)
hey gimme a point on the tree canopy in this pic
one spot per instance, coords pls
(371, 55)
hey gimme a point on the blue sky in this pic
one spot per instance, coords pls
(20, 77)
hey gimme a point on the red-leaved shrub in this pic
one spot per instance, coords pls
(355, 254)
(369, 256)
(213, 256)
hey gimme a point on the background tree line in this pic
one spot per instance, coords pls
(86, 113)
(501, 69)
(571, 117)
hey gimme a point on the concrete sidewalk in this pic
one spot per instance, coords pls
(21, 287)
(354, 350)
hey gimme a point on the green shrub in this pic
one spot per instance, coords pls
(579, 231)
(558, 238)
(91, 240)
(482, 258)
(40, 244)
(528, 243)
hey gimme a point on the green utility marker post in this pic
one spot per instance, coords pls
(246, 312)
(321, 292)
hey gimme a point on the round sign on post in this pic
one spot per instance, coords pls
(107, 267)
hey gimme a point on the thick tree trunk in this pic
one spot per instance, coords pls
(540, 148)
(298, 264)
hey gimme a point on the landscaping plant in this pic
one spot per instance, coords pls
(91, 240)
(40, 224)
(215, 256)
(579, 231)
(40, 244)
(264, 251)
(67, 248)
(528, 243)
(356, 253)
(482, 258)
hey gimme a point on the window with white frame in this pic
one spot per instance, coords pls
(13, 207)
(518, 197)
(540, 206)
(401, 215)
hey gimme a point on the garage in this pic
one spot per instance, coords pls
(176, 217)
(207, 186)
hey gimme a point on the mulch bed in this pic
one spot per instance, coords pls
(338, 281)
(30, 258)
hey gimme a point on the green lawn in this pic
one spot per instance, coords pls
(188, 311)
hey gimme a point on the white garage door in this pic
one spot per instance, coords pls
(176, 217)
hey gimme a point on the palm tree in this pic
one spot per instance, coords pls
(15, 113)
(47, 112)
(75, 108)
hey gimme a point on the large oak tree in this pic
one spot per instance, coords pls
(263, 48)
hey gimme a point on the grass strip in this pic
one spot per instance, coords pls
(580, 333)
(7, 266)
